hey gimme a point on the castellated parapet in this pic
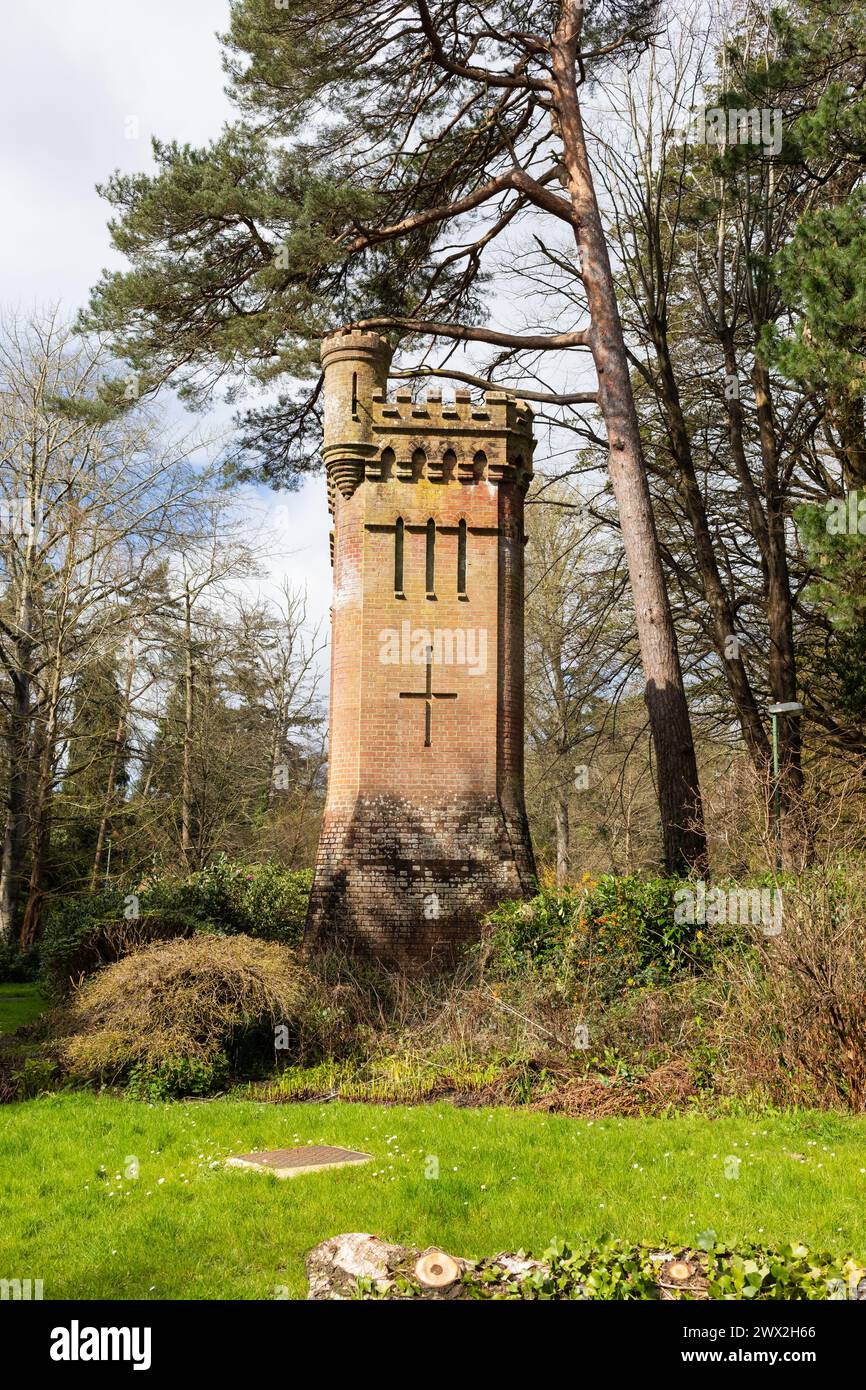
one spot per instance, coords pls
(424, 827)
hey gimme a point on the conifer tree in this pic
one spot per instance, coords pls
(381, 151)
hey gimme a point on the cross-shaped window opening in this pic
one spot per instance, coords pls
(428, 695)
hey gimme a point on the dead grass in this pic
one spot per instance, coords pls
(792, 1017)
(669, 1086)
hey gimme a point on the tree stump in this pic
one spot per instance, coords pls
(334, 1267)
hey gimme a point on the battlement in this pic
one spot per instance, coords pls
(374, 436)
(497, 411)
(348, 343)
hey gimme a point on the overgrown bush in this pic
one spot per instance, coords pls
(606, 936)
(177, 1076)
(792, 1007)
(85, 933)
(264, 900)
(18, 967)
(592, 1000)
(34, 1076)
(181, 1004)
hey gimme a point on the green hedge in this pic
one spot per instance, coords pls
(262, 900)
(83, 934)
(178, 1077)
(622, 931)
(18, 967)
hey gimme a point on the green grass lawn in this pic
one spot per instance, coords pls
(19, 1004)
(188, 1228)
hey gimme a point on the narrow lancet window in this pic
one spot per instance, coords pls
(461, 560)
(398, 559)
(431, 558)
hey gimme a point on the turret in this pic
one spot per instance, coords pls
(356, 365)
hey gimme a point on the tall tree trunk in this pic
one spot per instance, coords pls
(116, 750)
(767, 522)
(563, 844)
(189, 698)
(780, 612)
(40, 843)
(14, 837)
(41, 812)
(18, 759)
(278, 741)
(736, 437)
(678, 789)
(722, 620)
(846, 413)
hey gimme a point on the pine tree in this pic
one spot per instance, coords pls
(381, 150)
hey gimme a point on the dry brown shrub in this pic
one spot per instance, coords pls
(186, 998)
(669, 1085)
(793, 1018)
(382, 1010)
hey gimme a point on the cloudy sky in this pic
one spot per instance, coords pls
(85, 83)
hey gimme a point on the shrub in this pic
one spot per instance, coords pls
(18, 967)
(177, 1076)
(793, 1012)
(83, 934)
(264, 900)
(611, 934)
(187, 1001)
(35, 1075)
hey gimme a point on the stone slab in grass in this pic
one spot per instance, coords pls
(289, 1163)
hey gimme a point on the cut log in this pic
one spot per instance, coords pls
(436, 1270)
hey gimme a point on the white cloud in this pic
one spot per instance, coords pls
(72, 75)
(78, 78)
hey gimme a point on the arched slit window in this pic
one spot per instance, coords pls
(398, 559)
(461, 560)
(431, 558)
(354, 393)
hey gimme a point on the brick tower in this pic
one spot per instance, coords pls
(424, 826)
